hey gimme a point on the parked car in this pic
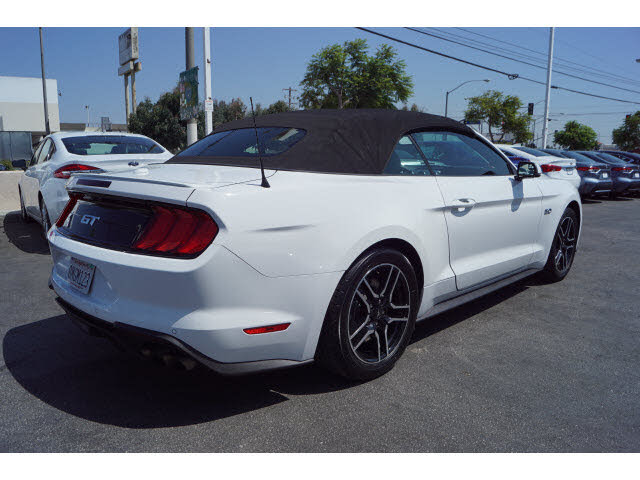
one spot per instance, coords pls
(59, 155)
(625, 176)
(626, 156)
(362, 222)
(595, 177)
(554, 151)
(552, 166)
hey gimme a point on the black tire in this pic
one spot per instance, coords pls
(46, 221)
(23, 210)
(355, 313)
(563, 248)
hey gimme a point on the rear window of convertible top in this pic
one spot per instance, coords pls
(242, 143)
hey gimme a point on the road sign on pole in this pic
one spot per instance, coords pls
(188, 87)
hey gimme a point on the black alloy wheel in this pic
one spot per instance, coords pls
(371, 316)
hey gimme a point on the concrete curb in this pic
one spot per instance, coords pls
(9, 200)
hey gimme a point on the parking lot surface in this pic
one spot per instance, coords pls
(532, 367)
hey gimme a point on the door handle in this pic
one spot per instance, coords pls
(463, 203)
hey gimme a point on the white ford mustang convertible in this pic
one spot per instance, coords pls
(361, 223)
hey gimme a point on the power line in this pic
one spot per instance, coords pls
(520, 61)
(543, 54)
(562, 63)
(511, 76)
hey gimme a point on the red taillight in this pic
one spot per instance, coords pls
(621, 169)
(177, 231)
(550, 168)
(66, 171)
(267, 329)
(587, 169)
(73, 199)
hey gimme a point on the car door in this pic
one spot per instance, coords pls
(492, 217)
(33, 176)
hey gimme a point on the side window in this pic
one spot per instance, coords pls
(406, 159)
(456, 155)
(46, 147)
(36, 152)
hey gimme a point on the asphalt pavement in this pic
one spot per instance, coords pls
(532, 367)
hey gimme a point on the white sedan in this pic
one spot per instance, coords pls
(552, 166)
(362, 223)
(41, 188)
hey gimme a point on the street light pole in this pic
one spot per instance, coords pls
(446, 102)
(545, 124)
(44, 87)
(208, 101)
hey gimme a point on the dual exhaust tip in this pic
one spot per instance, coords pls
(161, 355)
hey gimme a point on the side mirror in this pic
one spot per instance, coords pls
(527, 170)
(22, 164)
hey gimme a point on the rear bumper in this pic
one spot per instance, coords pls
(205, 303)
(593, 186)
(138, 340)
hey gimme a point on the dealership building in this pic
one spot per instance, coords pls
(22, 114)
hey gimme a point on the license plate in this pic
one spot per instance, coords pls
(80, 274)
(636, 175)
(605, 175)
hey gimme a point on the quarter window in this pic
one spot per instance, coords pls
(406, 159)
(456, 155)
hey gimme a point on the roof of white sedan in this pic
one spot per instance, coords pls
(82, 133)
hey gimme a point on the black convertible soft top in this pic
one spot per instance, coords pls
(355, 141)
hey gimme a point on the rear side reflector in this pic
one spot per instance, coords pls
(66, 171)
(267, 329)
(550, 168)
(177, 231)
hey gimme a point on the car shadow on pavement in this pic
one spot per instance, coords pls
(459, 314)
(26, 236)
(89, 378)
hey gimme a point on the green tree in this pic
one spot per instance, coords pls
(161, 121)
(224, 112)
(276, 107)
(499, 110)
(627, 136)
(414, 108)
(345, 76)
(576, 136)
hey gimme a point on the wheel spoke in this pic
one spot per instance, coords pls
(364, 300)
(375, 295)
(396, 319)
(364, 337)
(386, 340)
(384, 290)
(375, 332)
(393, 288)
(366, 320)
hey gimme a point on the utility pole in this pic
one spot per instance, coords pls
(289, 90)
(126, 96)
(192, 123)
(44, 87)
(87, 107)
(545, 120)
(208, 101)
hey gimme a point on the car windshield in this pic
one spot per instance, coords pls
(110, 145)
(532, 151)
(242, 142)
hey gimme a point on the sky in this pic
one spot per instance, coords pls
(261, 62)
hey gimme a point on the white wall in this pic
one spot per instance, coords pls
(21, 105)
